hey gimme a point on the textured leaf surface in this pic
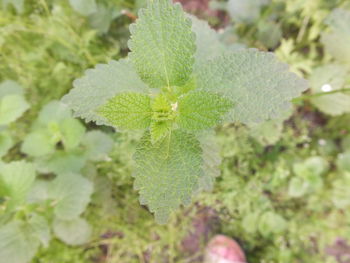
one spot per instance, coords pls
(16, 178)
(208, 45)
(211, 161)
(162, 44)
(330, 78)
(159, 129)
(16, 245)
(71, 193)
(337, 41)
(259, 86)
(128, 111)
(100, 84)
(72, 232)
(200, 110)
(168, 172)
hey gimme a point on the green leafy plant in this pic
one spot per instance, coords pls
(167, 88)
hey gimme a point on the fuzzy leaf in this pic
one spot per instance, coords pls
(199, 110)
(259, 86)
(72, 232)
(100, 84)
(128, 111)
(71, 194)
(168, 172)
(162, 44)
(159, 129)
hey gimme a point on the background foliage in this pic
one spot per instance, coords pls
(283, 189)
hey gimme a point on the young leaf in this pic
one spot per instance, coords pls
(259, 86)
(62, 162)
(100, 84)
(72, 131)
(16, 178)
(39, 227)
(71, 194)
(128, 111)
(168, 172)
(199, 110)
(38, 144)
(159, 129)
(162, 45)
(72, 232)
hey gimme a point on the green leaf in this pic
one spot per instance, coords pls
(168, 172)
(246, 11)
(39, 228)
(207, 42)
(159, 129)
(54, 111)
(16, 178)
(162, 44)
(327, 78)
(128, 111)
(259, 86)
(97, 145)
(71, 194)
(38, 144)
(343, 161)
(199, 110)
(211, 161)
(72, 232)
(337, 42)
(6, 143)
(17, 4)
(62, 162)
(100, 84)
(340, 192)
(11, 108)
(16, 244)
(10, 87)
(84, 7)
(72, 132)
(271, 223)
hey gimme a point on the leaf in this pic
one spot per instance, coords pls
(340, 192)
(100, 84)
(102, 18)
(62, 162)
(259, 86)
(207, 42)
(72, 232)
(71, 194)
(128, 111)
(162, 45)
(11, 108)
(159, 130)
(337, 41)
(271, 223)
(72, 132)
(6, 143)
(39, 228)
(211, 161)
(167, 173)
(97, 145)
(10, 87)
(16, 245)
(246, 11)
(327, 78)
(54, 111)
(199, 110)
(38, 144)
(84, 7)
(16, 179)
(343, 161)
